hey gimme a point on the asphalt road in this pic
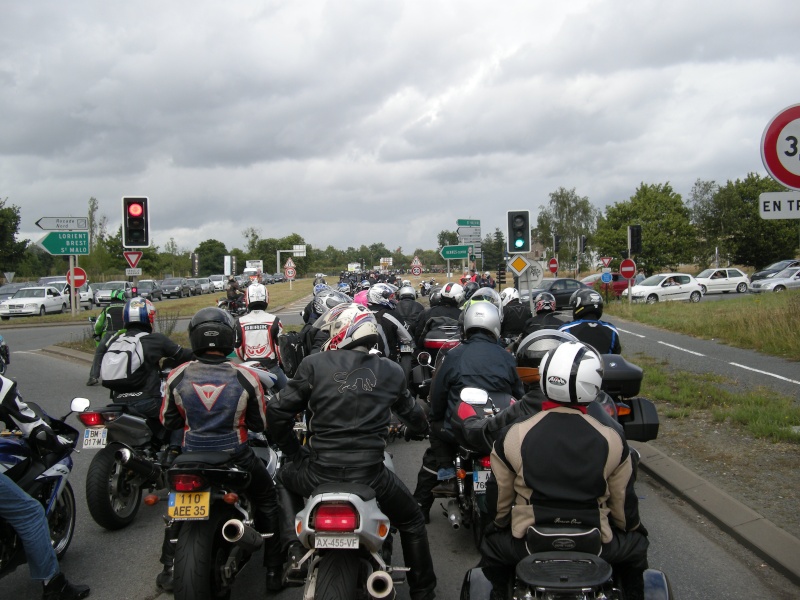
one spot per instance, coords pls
(701, 561)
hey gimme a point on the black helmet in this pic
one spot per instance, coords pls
(435, 296)
(469, 288)
(585, 303)
(212, 329)
(544, 302)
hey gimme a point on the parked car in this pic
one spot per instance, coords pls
(664, 287)
(176, 287)
(9, 289)
(218, 281)
(279, 277)
(85, 292)
(267, 278)
(561, 287)
(774, 269)
(205, 283)
(194, 285)
(35, 300)
(722, 280)
(617, 286)
(149, 288)
(102, 291)
(787, 279)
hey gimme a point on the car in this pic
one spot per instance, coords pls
(267, 278)
(9, 289)
(194, 285)
(664, 287)
(218, 281)
(722, 280)
(279, 277)
(206, 285)
(774, 269)
(788, 279)
(561, 287)
(176, 287)
(149, 288)
(34, 300)
(85, 292)
(102, 291)
(617, 286)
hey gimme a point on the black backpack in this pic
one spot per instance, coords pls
(292, 350)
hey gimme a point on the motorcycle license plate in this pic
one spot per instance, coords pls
(479, 479)
(189, 506)
(95, 437)
(336, 542)
(406, 348)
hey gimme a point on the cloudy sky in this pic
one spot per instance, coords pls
(352, 122)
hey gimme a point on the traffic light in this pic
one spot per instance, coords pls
(583, 244)
(501, 273)
(556, 242)
(635, 239)
(135, 223)
(519, 231)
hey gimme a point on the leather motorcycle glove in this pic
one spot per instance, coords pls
(302, 454)
(409, 434)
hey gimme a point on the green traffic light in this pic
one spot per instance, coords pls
(519, 243)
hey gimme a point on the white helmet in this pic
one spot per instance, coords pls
(482, 315)
(453, 293)
(509, 294)
(349, 325)
(572, 373)
(256, 292)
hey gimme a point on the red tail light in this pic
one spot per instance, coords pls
(135, 291)
(91, 419)
(485, 462)
(187, 483)
(336, 517)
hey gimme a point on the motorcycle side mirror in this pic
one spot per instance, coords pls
(472, 395)
(79, 404)
(424, 358)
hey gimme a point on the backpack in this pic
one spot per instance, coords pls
(123, 368)
(292, 350)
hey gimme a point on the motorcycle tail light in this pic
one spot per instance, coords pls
(383, 530)
(485, 462)
(231, 498)
(186, 482)
(335, 517)
(91, 419)
(461, 473)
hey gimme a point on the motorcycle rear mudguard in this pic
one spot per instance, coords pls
(656, 585)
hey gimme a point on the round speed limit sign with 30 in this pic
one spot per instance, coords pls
(780, 147)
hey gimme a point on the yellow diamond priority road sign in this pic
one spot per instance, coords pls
(519, 264)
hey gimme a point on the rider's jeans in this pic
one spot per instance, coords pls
(27, 517)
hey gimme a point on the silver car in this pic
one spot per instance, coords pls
(787, 279)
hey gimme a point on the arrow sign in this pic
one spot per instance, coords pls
(132, 256)
(63, 223)
(455, 252)
(61, 243)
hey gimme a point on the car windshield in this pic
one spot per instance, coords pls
(171, 282)
(110, 285)
(705, 274)
(653, 280)
(780, 265)
(787, 273)
(10, 288)
(30, 293)
(145, 285)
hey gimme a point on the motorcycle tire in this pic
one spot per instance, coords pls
(338, 575)
(62, 521)
(109, 509)
(200, 556)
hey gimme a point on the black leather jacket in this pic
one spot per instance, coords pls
(350, 395)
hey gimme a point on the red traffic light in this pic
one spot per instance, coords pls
(135, 209)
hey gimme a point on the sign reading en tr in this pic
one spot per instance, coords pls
(779, 205)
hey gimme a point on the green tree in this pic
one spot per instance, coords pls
(493, 249)
(567, 215)
(668, 235)
(11, 250)
(211, 257)
(447, 238)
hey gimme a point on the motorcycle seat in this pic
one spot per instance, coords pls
(563, 571)
(209, 458)
(364, 492)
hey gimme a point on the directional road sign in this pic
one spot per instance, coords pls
(468, 223)
(80, 277)
(780, 147)
(63, 223)
(133, 257)
(553, 265)
(61, 243)
(455, 252)
(627, 268)
(469, 232)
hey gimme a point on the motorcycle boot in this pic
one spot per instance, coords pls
(417, 557)
(164, 580)
(60, 589)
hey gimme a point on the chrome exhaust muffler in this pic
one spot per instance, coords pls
(244, 536)
(380, 586)
(454, 514)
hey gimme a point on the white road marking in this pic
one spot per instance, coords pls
(630, 332)
(681, 349)
(781, 377)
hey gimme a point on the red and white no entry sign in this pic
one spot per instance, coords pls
(627, 268)
(80, 277)
(780, 147)
(416, 270)
(553, 265)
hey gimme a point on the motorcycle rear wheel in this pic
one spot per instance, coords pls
(62, 521)
(109, 509)
(338, 575)
(200, 554)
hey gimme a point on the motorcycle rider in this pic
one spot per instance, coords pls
(5, 351)
(563, 465)
(138, 316)
(477, 362)
(408, 309)
(108, 322)
(348, 434)
(313, 338)
(515, 314)
(24, 513)
(234, 291)
(258, 332)
(587, 308)
(222, 425)
(381, 301)
(448, 306)
(544, 307)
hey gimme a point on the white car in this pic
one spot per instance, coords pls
(723, 280)
(34, 300)
(85, 293)
(785, 280)
(665, 287)
(218, 281)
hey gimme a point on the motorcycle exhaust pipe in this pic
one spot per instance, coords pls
(380, 586)
(244, 536)
(454, 514)
(149, 470)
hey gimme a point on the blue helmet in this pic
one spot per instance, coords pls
(139, 311)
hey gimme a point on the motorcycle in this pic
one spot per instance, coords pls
(43, 474)
(349, 542)
(236, 307)
(216, 538)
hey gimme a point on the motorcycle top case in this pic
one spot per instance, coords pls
(620, 378)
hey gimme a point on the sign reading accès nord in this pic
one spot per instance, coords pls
(60, 243)
(63, 223)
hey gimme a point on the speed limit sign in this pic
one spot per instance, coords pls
(289, 272)
(416, 271)
(780, 147)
